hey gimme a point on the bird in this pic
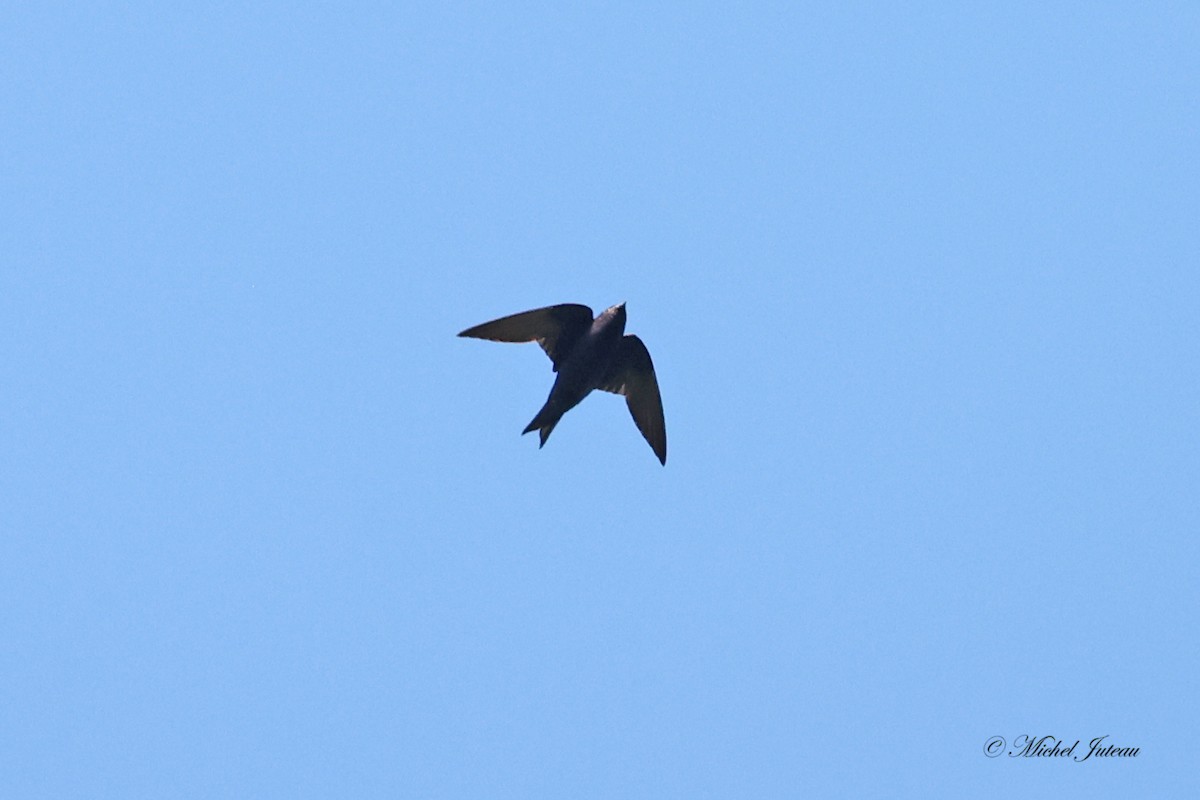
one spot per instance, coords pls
(587, 354)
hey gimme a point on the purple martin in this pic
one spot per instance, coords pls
(587, 354)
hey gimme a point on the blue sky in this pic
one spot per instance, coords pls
(921, 287)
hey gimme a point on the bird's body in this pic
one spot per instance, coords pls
(588, 354)
(582, 372)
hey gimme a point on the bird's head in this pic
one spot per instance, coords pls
(613, 318)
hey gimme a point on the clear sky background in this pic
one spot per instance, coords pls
(921, 285)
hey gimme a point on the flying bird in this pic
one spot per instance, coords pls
(587, 354)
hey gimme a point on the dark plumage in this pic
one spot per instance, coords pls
(587, 354)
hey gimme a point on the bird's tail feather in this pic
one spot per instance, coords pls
(543, 423)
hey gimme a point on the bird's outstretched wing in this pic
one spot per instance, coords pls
(555, 328)
(632, 375)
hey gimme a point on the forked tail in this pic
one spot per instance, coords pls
(543, 423)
